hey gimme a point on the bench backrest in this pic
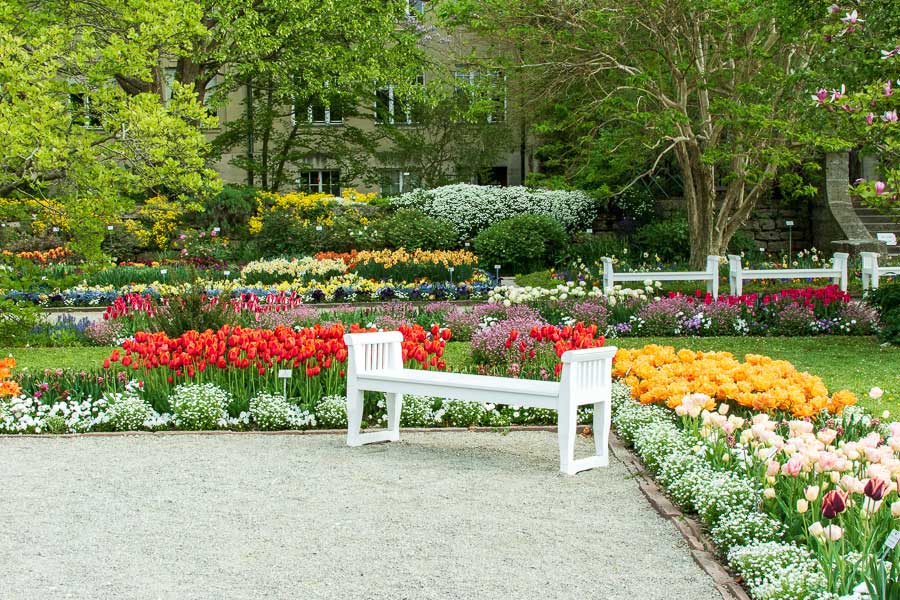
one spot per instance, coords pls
(587, 372)
(737, 274)
(377, 351)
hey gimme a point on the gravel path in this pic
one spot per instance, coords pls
(439, 515)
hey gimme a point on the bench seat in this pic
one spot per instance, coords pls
(462, 386)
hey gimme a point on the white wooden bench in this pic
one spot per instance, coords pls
(872, 273)
(710, 275)
(737, 274)
(375, 363)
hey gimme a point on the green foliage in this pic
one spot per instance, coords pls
(123, 276)
(590, 248)
(192, 310)
(521, 244)
(229, 210)
(541, 279)
(17, 319)
(71, 133)
(636, 203)
(887, 300)
(669, 239)
(412, 229)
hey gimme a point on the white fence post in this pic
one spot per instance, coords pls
(712, 266)
(735, 275)
(608, 276)
(840, 262)
(869, 270)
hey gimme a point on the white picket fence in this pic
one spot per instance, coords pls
(872, 273)
(710, 275)
(737, 275)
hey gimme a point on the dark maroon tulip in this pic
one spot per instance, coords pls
(834, 503)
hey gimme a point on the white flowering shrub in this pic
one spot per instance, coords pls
(723, 494)
(462, 413)
(779, 571)
(472, 208)
(745, 528)
(128, 411)
(417, 411)
(25, 414)
(272, 412)
(656, 441)
(199, 406)
(331, 412)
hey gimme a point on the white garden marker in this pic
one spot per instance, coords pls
(710, 275)
(284, 375)
(737, 274)
(375, 362)
(872, 273)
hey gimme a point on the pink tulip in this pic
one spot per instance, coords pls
(792, 467)
(772, 468)
(852, 18)
(832, 533)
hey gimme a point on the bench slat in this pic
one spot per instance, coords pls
(478, 388)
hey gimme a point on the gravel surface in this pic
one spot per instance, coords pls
(438, 515)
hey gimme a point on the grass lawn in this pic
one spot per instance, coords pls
(854, 363)
(75, 357)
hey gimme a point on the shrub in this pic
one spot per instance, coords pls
(590, 248)
(192, 310)
(744, 528)
(272, 412)
(199, 406)
(668, 239)
(417, 411)
(541, 279)
(462, 413)
(128, 411)
(17, 320)
(472, 208)
(887, 300)
(413, 229)
(778, 570)
(521, 244)
(331, 412)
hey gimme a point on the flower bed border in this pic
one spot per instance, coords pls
(701, 548)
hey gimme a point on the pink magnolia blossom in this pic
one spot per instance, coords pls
(885, 54)
(820, 96)
(890, 116)
(879, 190)
(834, 9)
(870, 118)
(838, 94)
(888, 90)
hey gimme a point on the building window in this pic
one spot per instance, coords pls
(211, 109)
(397, 181)
(320, 182)
(392, 108)
(482, 86)
(83, 113)
(415, 6)
(326, 110)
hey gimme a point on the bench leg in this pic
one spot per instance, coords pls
(394, 407)
(355, 403)
(568, 427)
(602, 419)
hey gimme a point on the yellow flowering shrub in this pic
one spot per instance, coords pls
(659, 374)
(164, 218)
(305, 208)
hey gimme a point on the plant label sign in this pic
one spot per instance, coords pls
(55, 229)
(888, 238)
(892, 539)
(284, 373)
(163, 271)
(318, 228)
(789, 223)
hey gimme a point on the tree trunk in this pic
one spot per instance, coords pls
(700, 200)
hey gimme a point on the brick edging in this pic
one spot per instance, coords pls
(702, 550)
